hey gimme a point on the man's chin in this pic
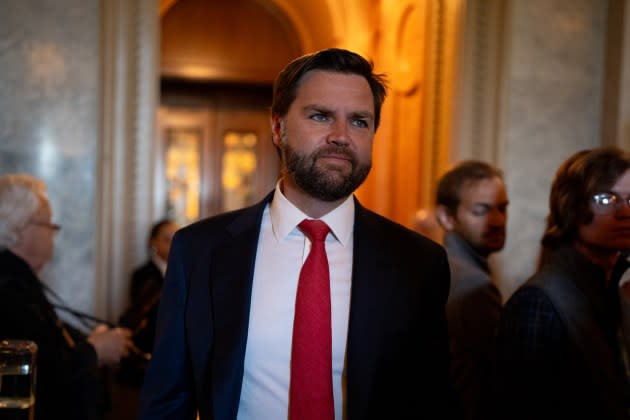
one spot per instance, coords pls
(491, 248)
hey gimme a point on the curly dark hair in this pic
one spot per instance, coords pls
(585, 173)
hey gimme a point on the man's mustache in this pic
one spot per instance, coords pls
(336, 150)
(495, 231)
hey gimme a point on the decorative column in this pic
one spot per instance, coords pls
(129, 92)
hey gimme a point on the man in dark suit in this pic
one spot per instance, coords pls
(224, 344)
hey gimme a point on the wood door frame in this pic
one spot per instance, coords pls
(192, 104)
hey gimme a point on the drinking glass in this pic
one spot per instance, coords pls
(17, 379)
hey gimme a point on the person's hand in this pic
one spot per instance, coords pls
(111, 344)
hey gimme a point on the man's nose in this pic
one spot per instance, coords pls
(498, 217)
(339, 133)
(623, 208)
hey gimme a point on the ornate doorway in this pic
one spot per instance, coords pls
(215, 152)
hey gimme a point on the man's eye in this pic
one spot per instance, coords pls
(319, 117)
(480, 211)
(605, 199)
(360, 123)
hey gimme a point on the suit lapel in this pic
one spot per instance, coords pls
(231, 277)
(370, 274)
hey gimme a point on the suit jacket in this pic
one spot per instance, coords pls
(397, 349)
(69, 383)
(141, 318)
(473, 311)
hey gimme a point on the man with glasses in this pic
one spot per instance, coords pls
(69, 384)
(560, 351)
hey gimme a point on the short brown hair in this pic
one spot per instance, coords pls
(449, 188)
(585, 173)
(332, 59)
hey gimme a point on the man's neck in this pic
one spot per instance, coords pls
(308, 204)
(21, 252)
(605, 258)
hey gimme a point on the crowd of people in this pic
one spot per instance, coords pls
(308, 305)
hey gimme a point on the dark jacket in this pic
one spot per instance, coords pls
(558, 353)
(397, 348)
(69, 383)
(473, 311)
(141, 318)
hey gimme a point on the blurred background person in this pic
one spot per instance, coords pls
(559, 353)
(140, 317)
(69, 382)
(471, 207)
(145, 291)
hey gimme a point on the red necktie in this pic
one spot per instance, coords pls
(311, 394)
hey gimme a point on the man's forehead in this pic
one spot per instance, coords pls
(483, 189)
(477, 183)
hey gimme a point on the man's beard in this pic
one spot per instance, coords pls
(325, 185)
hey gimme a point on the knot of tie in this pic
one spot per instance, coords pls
(315, 230)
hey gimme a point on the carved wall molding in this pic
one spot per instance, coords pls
(616, 107)
(125, 182)
(477, 130)
(407, 61)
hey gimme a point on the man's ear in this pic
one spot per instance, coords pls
(276, 130)
(445, 218)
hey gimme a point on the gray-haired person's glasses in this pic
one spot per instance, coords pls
(52, 226)
(608, 202)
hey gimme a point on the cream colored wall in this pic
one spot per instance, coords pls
(530, 102)
(49, 113)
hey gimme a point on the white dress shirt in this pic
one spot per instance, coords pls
(159, 263)
(282, 249)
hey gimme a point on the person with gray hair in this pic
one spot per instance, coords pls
(69, 382)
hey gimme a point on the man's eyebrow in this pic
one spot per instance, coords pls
(489, 204)
(326, 110)
(315, 107)
(363, 114)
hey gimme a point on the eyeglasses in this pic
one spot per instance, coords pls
(608, 202)
(51, 226)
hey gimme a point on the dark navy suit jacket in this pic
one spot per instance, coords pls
(397, 350)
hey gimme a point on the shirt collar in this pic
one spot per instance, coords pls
(159, 263)
(285, 217)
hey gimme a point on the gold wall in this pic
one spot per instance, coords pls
(415, 42)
